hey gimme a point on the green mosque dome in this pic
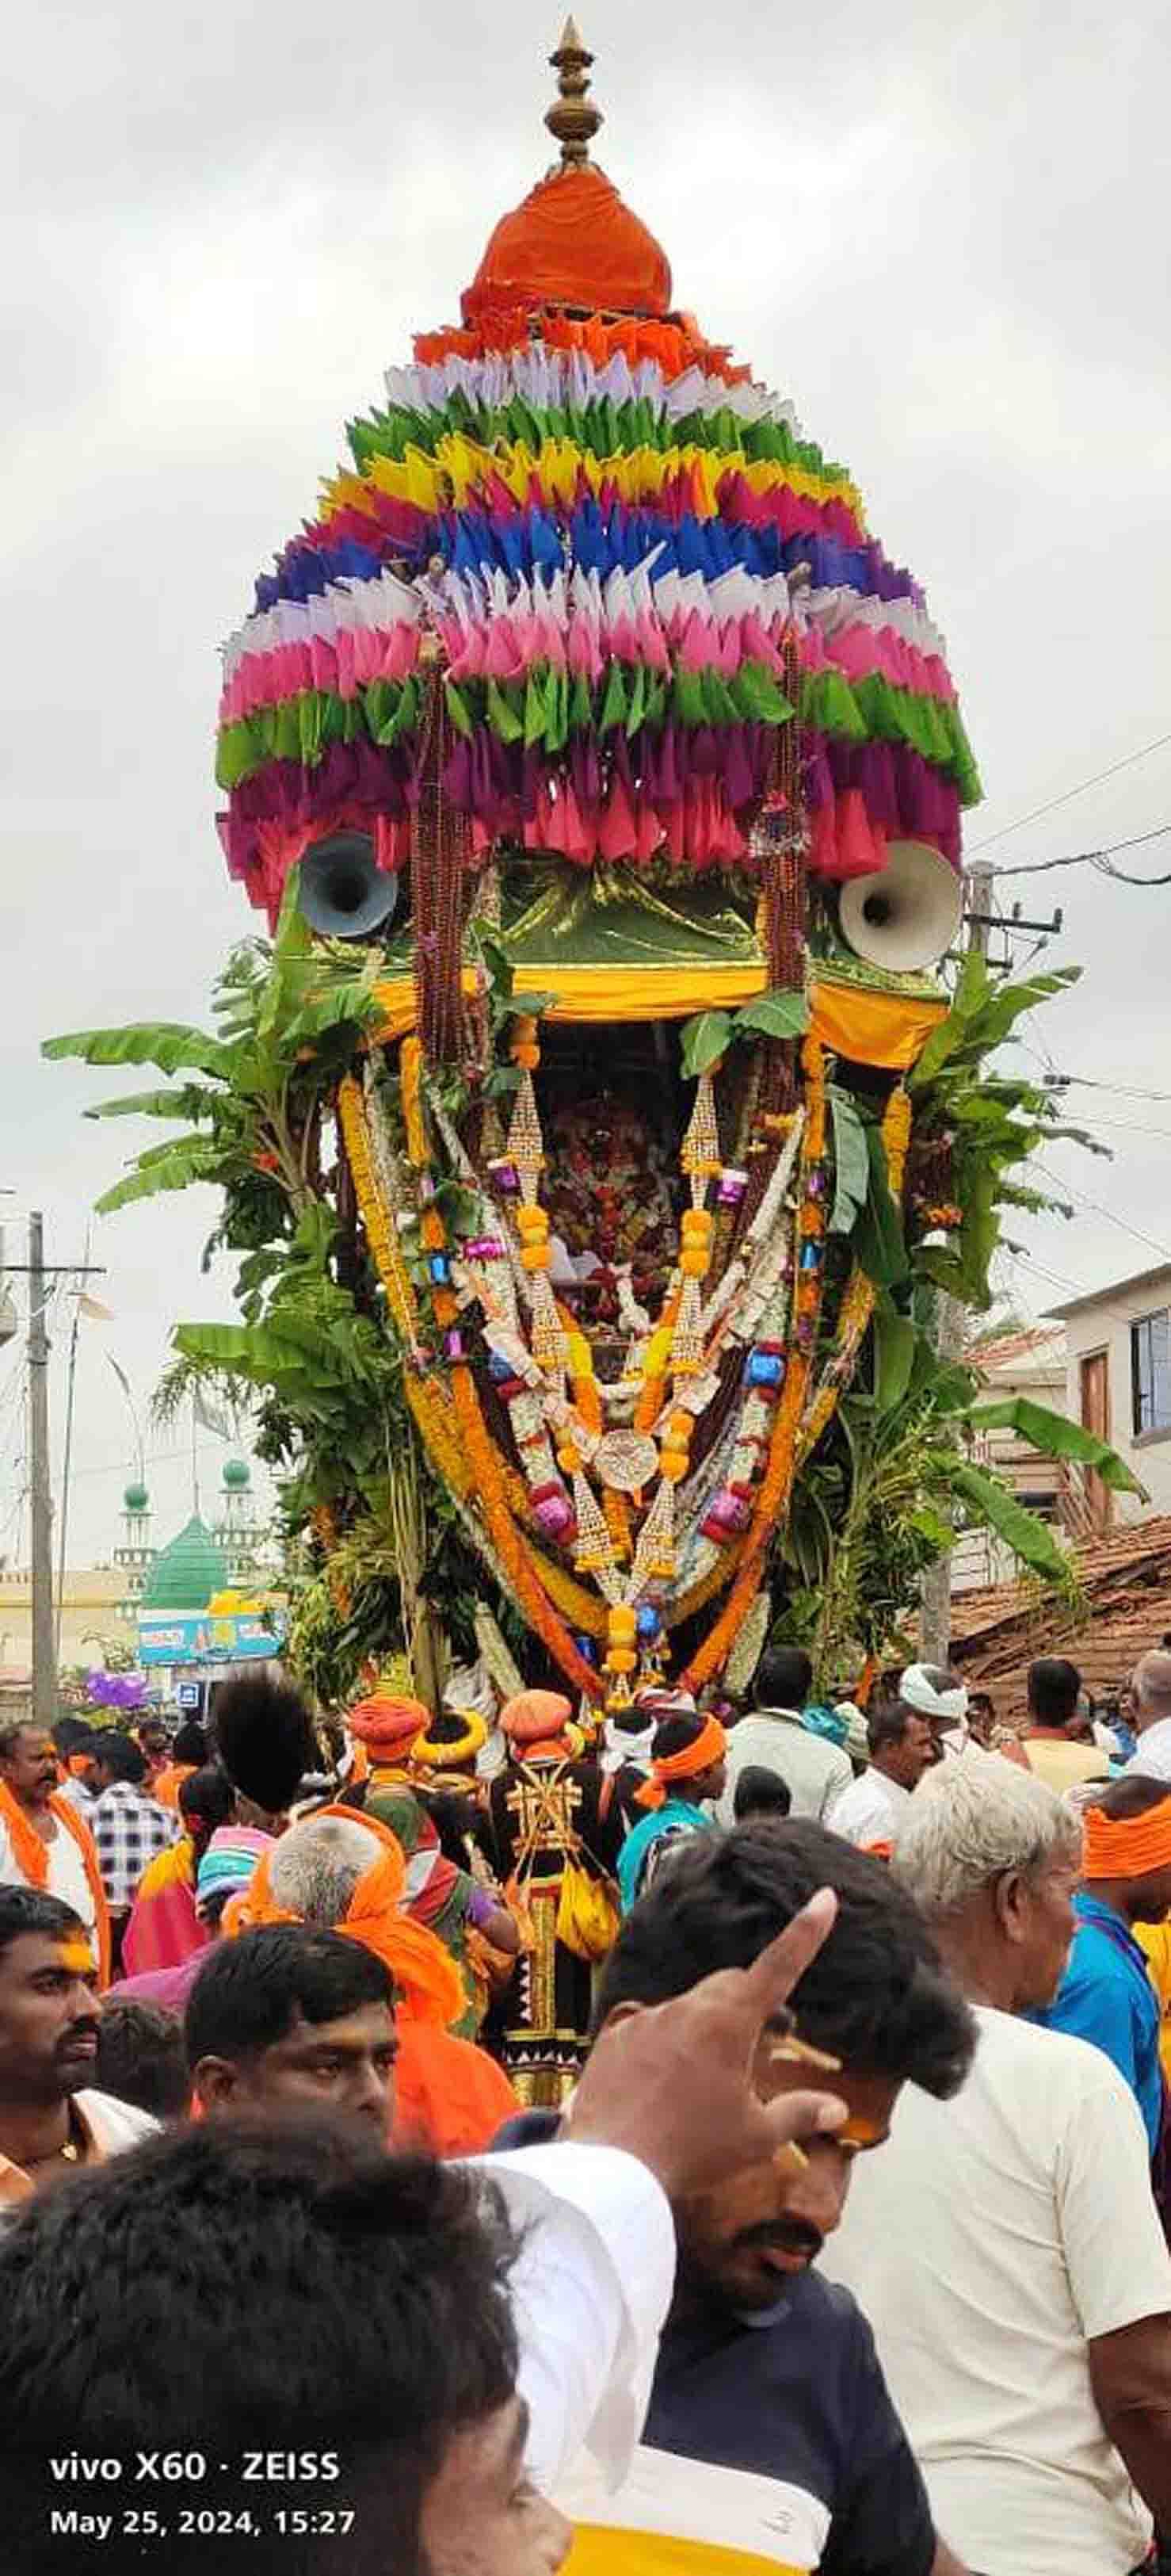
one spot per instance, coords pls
(187, 1574)
(136, 1499)
(237, 1476)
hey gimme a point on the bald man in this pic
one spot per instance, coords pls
(1151, 1685)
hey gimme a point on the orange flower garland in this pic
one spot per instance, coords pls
(506, 1538)
(776, 1485)
(410, 1065)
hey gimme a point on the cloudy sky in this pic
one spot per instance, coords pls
(942, 230)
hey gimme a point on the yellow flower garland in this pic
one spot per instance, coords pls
(380, 1232)
(859, 1300)
(776, 1485)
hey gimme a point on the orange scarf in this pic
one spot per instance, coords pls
(165, 1786)
(31, 1857)
(1126, 1846)
(428, 1983)
(709, 1747)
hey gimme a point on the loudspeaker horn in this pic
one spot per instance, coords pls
(344, 893)
(908, 915)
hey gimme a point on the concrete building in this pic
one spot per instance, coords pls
(1028, 1362)
(92, 1616)
(1118, 1383)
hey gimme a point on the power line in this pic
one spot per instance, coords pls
(1098, 1209)
(1123, 1127)
(1070, 793)
(178, 1453)
(1121, 1090)
(1082, 1081)
(1100, 859)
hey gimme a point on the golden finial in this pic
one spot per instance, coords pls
(573, 118)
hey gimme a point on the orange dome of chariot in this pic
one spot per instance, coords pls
(573, 241)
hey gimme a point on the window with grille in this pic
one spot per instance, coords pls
(1150, 1369)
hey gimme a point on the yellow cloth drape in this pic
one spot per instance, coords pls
(869, 1028)
(887, 1029)
(602, 992)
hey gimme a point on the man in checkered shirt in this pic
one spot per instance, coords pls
(129, 1829)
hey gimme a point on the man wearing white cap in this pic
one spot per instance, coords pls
(942, 1698)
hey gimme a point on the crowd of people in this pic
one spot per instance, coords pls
(421, 2091)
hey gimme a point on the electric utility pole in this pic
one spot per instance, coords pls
(950, 1312)
(44, 1641)
(44, 1647)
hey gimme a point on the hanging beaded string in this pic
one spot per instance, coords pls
(777, 842)
(771, 1505)
(440, 859)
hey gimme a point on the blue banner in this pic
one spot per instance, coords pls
(195, 1637)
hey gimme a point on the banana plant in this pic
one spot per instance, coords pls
(290, 1014)
(898, 1483)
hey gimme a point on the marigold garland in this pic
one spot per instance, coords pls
(506, 1538)
(410, 1066)
(775, 1488)
(380, 1233)
(429, 1407)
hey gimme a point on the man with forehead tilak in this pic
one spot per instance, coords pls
(772, 2446)
(50, 2115)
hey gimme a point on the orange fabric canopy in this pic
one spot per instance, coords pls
(572, 242)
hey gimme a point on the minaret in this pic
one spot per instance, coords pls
(235, 1531)
(136, 1554)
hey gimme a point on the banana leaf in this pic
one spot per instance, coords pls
(879, 1240)
(187, 1160)
(895, 1344)
(994, 1507)
(1055, 1436)
(778, 1013)
(174, 1048)
(704, 1040)
(851, 1162)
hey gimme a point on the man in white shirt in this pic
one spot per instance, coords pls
(412, 2371)
(871, 1809)
(773, 1738)
(1007, 2250)
(50, 2118)
(1151, 1687)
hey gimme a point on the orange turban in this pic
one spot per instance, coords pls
(535, 1716)
(427, 1981)
(1126, 1846)
(709, 1747)
(384, 1722)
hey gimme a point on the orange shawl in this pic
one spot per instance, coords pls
(165, 1786)
(31, 1856)
(428, 1983)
